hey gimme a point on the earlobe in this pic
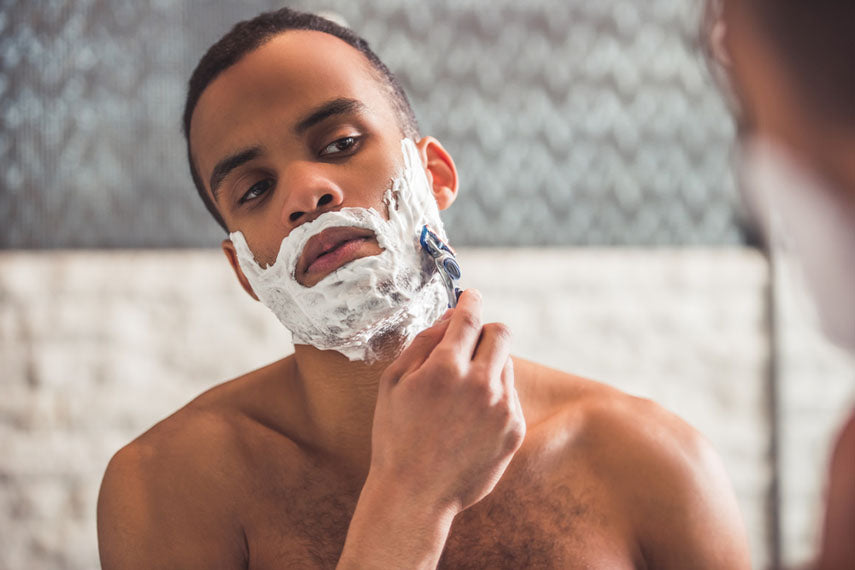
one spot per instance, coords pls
(231, 255)
(441, 172)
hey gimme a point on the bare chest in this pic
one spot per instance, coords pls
(523, 524)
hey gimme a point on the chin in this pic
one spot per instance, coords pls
(387, 345)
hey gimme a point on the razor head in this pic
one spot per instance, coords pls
(432, 244)
(446, 263)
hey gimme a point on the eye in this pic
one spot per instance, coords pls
(256, 191)
(339, 146)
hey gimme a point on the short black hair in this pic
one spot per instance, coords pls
(816, 42)
(249, 35)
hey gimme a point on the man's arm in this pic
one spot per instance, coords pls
(447, 423)
(676, 490)
(157, 515)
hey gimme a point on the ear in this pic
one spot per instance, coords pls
(231, 255)
(440, 169)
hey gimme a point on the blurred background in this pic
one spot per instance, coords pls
(598, 213)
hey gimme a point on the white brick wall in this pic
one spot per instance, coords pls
(97, 346)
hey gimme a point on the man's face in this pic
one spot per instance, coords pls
(797, 171)
(774, 108)
(298, 127)
(757, 78)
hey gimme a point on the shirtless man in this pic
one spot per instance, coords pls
(447, 454)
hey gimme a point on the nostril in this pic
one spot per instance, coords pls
(295, 216)
(325, 199)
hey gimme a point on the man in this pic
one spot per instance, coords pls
(791, 70)
(449, 453)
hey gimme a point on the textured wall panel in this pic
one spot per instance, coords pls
(572, 122)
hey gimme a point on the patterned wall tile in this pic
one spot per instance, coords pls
(571, 122)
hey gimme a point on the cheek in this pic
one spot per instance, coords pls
(264, 245)
(374, 177)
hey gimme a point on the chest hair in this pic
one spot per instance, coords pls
(520, 528)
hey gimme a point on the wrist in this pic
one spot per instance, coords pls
(415, 501)
(395, 526)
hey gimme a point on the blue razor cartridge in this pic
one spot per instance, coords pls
(446, 263)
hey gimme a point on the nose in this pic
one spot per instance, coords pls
(311, 193)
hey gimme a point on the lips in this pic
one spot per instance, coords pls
(329, 250)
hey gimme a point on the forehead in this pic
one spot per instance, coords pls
(274, 84)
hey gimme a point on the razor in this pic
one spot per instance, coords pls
(446, 263)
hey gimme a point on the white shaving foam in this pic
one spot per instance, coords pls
(354, 309)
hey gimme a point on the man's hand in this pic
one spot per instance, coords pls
(447, 423)
(448, 419)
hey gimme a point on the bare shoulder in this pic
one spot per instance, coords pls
(550, 395)
(664, 474)
(609, 420)
(166, 500)
(198, 444)
(172, 496)
(672, 483)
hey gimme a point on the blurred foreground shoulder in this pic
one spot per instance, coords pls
(167, 499)
(838, 548)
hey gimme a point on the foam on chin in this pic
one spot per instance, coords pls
(353, 309)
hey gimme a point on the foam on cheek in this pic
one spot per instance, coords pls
(350, 310)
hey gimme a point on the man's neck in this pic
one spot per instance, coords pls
(339, 397)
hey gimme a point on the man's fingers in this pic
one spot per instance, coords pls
(414, 355)
(464, 326)
(494, 348)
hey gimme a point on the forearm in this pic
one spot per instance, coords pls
(393, 528)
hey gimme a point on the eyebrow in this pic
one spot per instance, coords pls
(340, 106)
(226, 165)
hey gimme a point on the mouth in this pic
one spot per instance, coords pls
(331, 249)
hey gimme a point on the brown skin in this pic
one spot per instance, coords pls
(315, 461)
(776, 107)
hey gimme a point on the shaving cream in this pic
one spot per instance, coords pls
(798, 211)
(360, 307)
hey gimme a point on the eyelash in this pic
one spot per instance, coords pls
(254, 188)
(354, 142)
